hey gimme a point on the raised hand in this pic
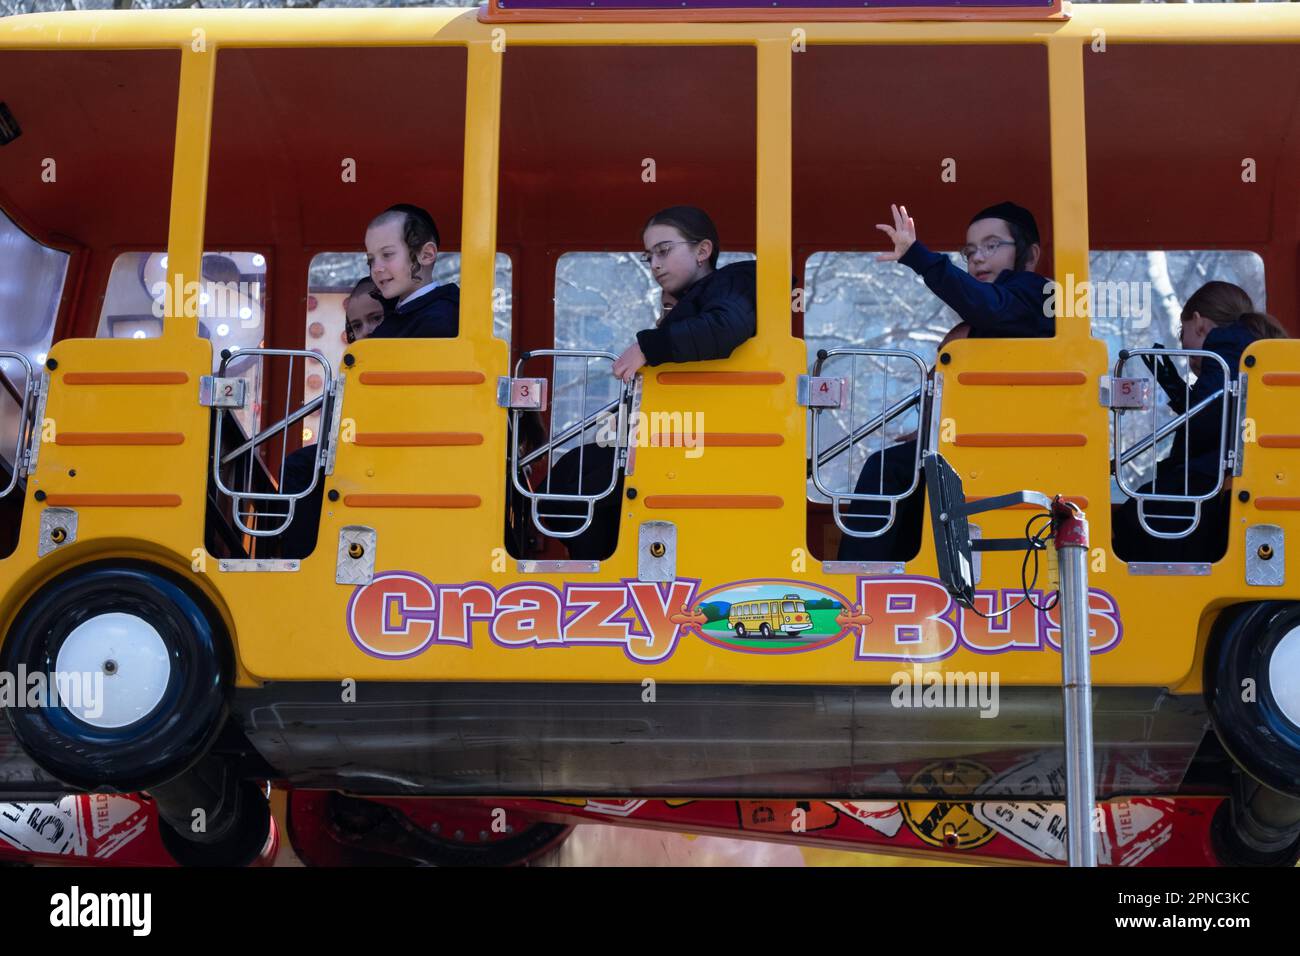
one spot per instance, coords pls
(902, 233)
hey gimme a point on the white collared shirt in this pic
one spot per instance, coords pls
(427, 287)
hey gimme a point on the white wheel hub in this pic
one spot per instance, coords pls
(1284, 675)
(112, 670)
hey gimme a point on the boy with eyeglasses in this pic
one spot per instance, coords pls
(998, 296)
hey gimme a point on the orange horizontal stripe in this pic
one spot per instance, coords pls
(1283, 379)
(720, 440)
(720, 378)
(714, 501)
(1021, 378)
(1278, 504)
(118, 438)
(417, 439)
(1279, 441)
(412, 501)
(1020, 440)
(125, 378)
(113, 501)
(1079, 500)
(422, 378)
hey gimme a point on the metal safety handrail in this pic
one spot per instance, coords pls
(1169, 427)
(873, 425)
(27, 430)
(1184, 523)
(841, 445)
(324, 448)
(588, 501)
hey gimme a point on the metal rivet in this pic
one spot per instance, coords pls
(110, 667)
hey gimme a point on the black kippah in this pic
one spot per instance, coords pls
(1009, 211)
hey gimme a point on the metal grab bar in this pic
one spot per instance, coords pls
(275, 429)
(873, 425)
(881, 420)
(569, 432)
(323, 448)
(1185, 523)
(587, 500)
(27, 428)
(1168, 427)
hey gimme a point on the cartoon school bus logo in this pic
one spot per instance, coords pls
(770, 616)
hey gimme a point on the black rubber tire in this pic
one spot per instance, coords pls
(740, 630)
(194, 704)
(1256, 734)
(1230, 850)
(384, 829)
(533, 841)
(240, 845)
(765, 629)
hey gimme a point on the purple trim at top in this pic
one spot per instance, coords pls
(1032, 6)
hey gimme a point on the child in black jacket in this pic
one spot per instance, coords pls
(401, 249)
(714, 311)
(998, 296)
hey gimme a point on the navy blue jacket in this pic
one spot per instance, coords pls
(1010, 307)
(1228, 342)
(433, 315)
(709, 320)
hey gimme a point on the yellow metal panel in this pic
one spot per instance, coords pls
(295, 625)
(189, 183)
(1069, 175)
(1200, 23)
(482, 161)
(774, 201)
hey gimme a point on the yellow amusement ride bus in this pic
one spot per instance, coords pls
(730, 590)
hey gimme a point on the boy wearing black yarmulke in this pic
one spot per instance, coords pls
(998, 296)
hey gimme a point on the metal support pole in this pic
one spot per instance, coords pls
(1076, 682)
